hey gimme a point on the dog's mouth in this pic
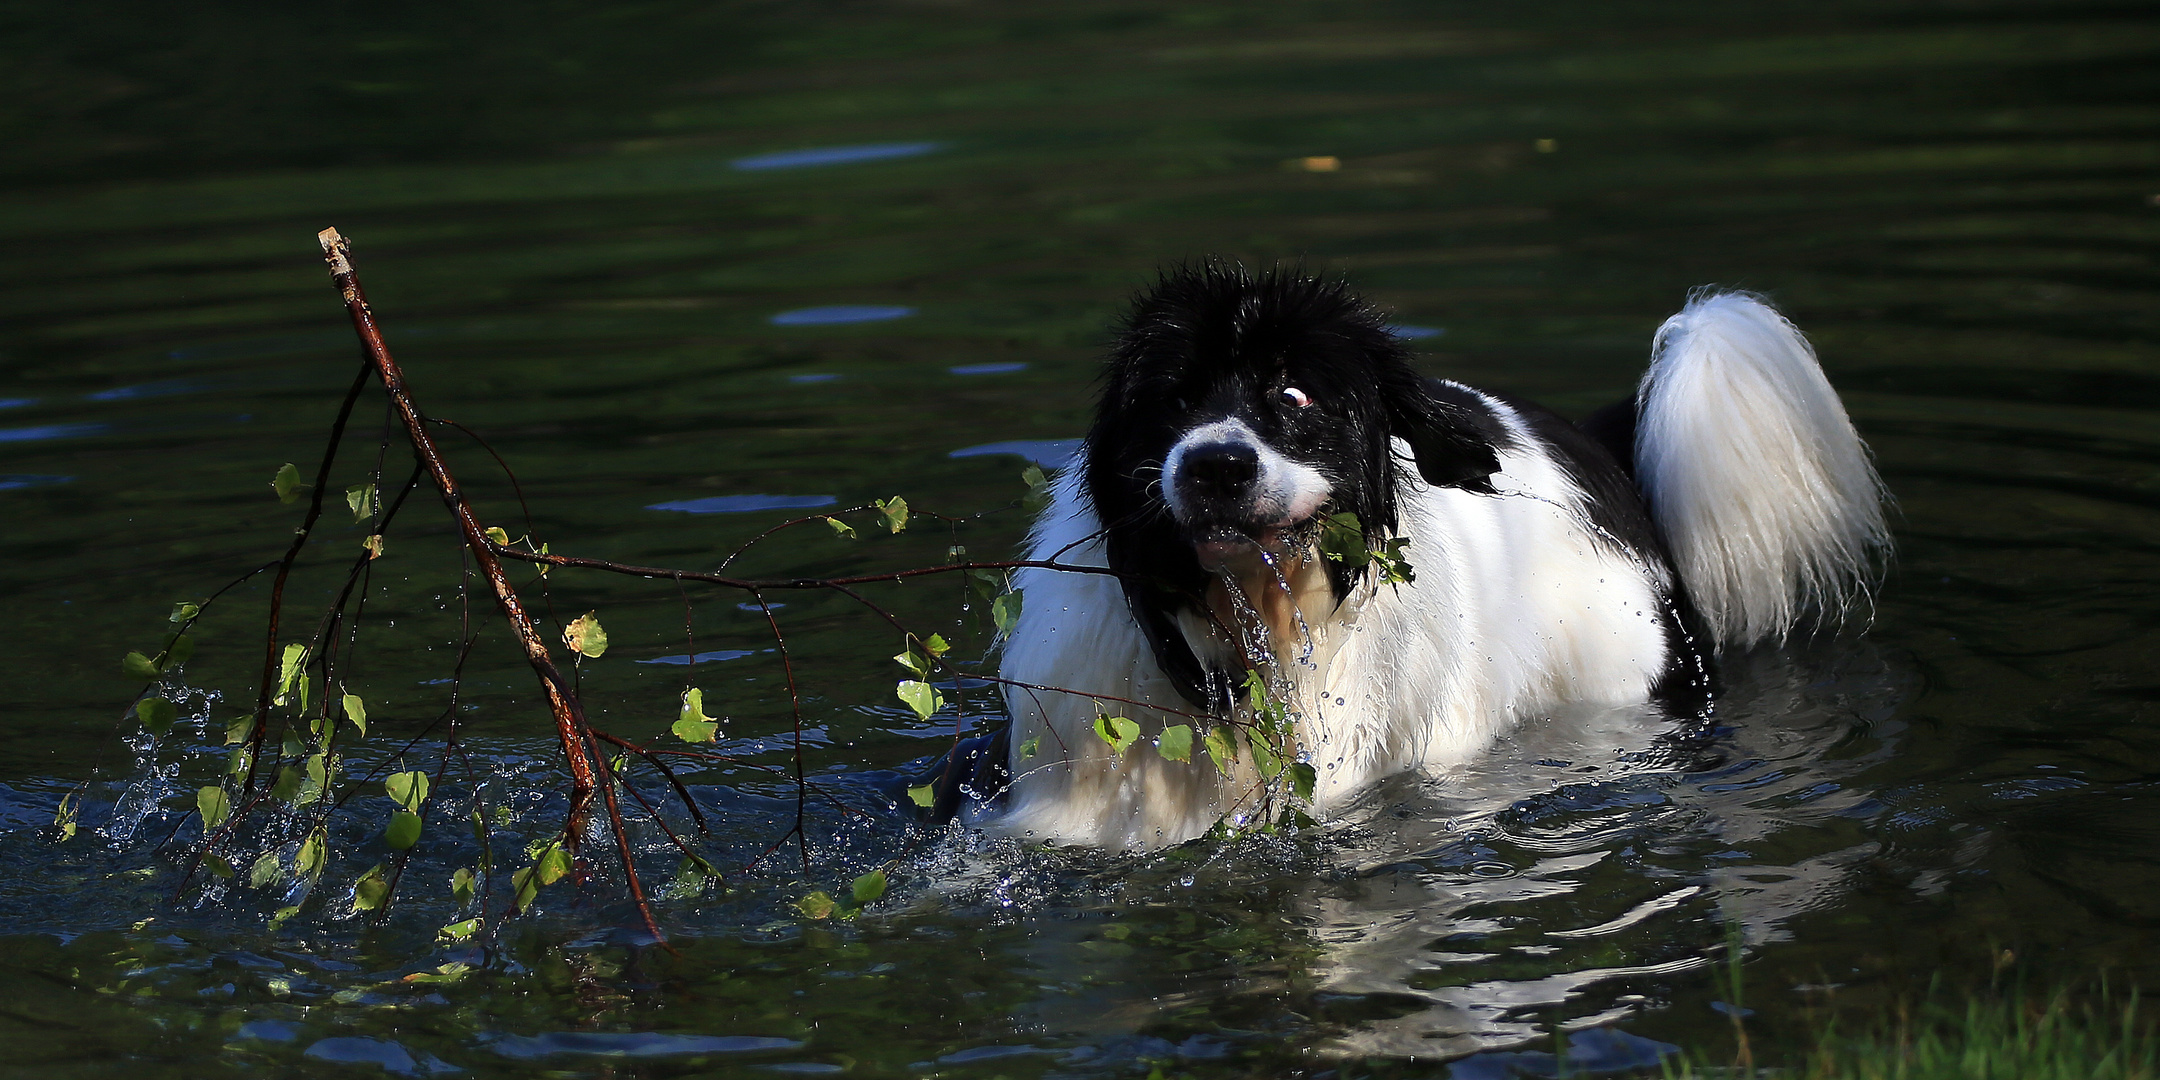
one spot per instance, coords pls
(1221, 547)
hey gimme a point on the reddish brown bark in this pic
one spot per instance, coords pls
(570, 725)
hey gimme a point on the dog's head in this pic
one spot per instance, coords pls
(1239, 408)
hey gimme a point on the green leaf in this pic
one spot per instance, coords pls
(374, 546)
(314, 853)
(403, 830)
(287, 788)
(239, 730)
(361, 497)
(585, 637)
(1031, 747)
(216, 864)
(356, 711)
(553, 865)
(289, 669)
(913, 661)
(463, 886)
(1038, 485)
(924, 796)
(694, 726)
(1005, 611)
(64, 817)
(264, 871)
(1118, 731)
(895, 512)
(1175, 743)
(287, 483)
(178, 652)
(157, 714)
(283, 914)
(214, 805)
(240, 761)
(1302, 780)
(921, 697)
(497, 537)
(1394, 569)
(936, 645)
(407, 789)
(138, 666)
(524, 888)
(1265, 758)
(459, 931)
(817, 905)
(371, 891)
(1221, 748)
(1342, 539)
(184, 611)
(318, 779)
(986, 583)
(841, 528)
(868, 887)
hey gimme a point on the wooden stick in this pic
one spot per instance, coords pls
(570, 725)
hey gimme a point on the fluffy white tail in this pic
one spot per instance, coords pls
(1753, 471)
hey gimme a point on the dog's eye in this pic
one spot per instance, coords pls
(1295, 398)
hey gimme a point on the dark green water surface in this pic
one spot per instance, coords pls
(570, 222)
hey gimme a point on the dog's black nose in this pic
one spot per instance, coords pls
(1223, 469)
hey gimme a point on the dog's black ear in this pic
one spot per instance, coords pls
(1453, 434)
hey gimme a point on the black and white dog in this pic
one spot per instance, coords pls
(1555, 565)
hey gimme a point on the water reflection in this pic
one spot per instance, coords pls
(840, 315)
(832, 155)
(713, 657)
(744, 504)
(1005, 368)
(1586, 862)
(43, 432)
(1048, 453)
(161, 388)
(1415, 333)
(17, 482)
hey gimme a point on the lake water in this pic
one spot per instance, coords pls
(692, 270)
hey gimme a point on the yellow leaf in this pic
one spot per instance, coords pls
(585, 637)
